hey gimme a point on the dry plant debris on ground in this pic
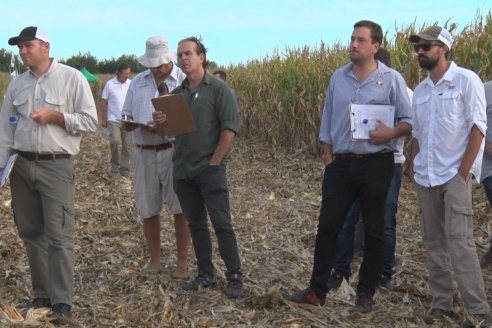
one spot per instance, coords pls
(275, 197)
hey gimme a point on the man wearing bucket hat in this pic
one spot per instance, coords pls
(449, 126)
(44, 112)
(152, 154)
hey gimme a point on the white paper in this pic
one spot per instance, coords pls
(7, 169)
(363, 119)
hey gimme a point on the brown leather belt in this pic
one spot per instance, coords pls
(358, 156)
(42, 157)
(159, 147)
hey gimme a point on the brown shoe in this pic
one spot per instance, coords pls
(306, 296)
(486, 260)
(363, 304)
(436, 315)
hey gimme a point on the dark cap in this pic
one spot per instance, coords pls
(29, 33)
(433, 33)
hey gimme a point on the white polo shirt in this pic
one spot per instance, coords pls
(114, 93)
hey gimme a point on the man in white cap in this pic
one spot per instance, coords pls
(449, 126)
(44, 112)
(152, 154)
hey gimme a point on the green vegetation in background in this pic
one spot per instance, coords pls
(282, 96)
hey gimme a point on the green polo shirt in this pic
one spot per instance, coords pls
(214, 109)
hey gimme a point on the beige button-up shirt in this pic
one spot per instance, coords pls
(61, 88)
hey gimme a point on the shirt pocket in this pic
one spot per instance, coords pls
(55, 103)
(451, 108)
(420, 104)
(21, 104)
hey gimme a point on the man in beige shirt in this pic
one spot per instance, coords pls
(44, 112)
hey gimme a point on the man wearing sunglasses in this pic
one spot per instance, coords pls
(449, 127)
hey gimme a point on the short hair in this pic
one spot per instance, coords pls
(121, 67)
(222, 74)
(199, 48)
(376, 30)
(383, 56)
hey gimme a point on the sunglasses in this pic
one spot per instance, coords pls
(425, 46)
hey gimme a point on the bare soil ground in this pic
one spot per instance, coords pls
(275, 197)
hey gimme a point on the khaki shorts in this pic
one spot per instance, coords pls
(153, 182)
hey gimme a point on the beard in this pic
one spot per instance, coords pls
(427, 63)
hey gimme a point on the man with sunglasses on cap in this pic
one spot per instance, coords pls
(449, 126)
(152, 169)
(44, 113)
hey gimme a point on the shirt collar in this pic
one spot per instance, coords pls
(448, 76)
(173, 75)
(378, 72)
(206, 80)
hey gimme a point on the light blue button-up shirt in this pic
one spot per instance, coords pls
(138, 103)
(384, 86)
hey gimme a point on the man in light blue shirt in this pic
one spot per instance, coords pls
(357, 168)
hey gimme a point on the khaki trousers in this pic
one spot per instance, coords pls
(43, 194)
(446, 218)
(119, 138)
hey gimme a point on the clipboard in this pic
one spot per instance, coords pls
(178, 117)
(7, 169)
(363, 119)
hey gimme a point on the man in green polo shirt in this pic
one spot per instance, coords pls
(199, 167)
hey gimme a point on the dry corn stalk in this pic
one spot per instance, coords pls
(11, 313)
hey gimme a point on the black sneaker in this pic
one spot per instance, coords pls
(41, 302)
(235, 286)
(198, 283)
(36, 303)
(478, 320)
(335, 279)
(435, 314)
(60, 310)
(363, 304)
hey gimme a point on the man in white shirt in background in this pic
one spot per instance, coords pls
(111, 104)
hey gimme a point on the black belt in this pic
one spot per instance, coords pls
(159, 147)
(42, 157)
(358, 156)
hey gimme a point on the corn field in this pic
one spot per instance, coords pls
(282, 96)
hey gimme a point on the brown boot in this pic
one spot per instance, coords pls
(306, 296)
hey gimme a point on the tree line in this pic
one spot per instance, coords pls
(87, 60)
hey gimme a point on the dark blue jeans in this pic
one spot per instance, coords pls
(487, 185)
(345, 180)
(208, 193)
(345, 242)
